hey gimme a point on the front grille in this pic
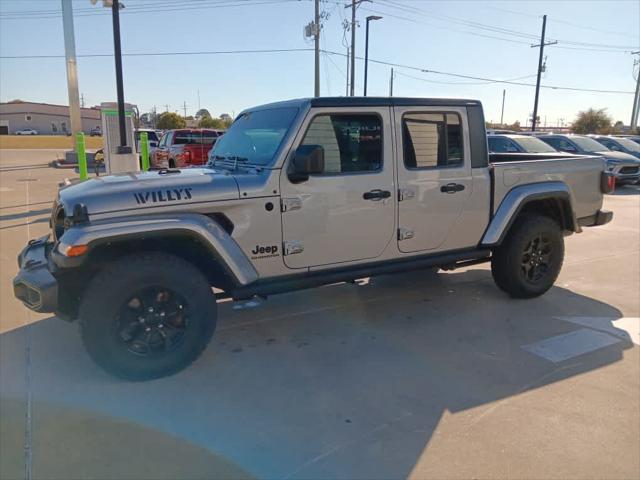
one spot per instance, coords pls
(629, 170)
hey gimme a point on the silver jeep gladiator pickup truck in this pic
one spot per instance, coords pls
(299, 194)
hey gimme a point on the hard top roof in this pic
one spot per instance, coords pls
(370, 102)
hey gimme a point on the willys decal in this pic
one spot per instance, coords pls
(169, 195)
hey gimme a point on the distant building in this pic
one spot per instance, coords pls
(45, 118)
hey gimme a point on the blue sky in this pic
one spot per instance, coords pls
(595, 39)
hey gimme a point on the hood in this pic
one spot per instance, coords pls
(619, 157)
(145, 190)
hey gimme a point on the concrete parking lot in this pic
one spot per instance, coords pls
(420, 375)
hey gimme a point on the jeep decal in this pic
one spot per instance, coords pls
(169, 195)
(264, 252)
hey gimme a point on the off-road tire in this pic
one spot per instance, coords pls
(108, 293)
(510, 260)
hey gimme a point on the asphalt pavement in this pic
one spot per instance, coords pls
(420, 375)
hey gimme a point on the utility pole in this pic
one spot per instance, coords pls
(72, 70)
(82, 100)
(542, 45)
(354, 6)
(184, 107)
(635, 111)
(502, 113)
(348, 58)
(166, 107)
(353, 47)
(391, 84)
(316, 42)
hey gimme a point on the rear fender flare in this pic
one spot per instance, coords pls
(517, 198)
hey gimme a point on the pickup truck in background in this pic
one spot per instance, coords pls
(624, 167)
(299, 194)
(184, 148)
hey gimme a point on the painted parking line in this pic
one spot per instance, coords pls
(568, 345)
(626, 328)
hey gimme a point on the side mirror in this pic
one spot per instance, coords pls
(308, 160)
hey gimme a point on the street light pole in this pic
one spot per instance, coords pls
(366, 50)
(117, 51)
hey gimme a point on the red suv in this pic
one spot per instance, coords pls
(184, 148)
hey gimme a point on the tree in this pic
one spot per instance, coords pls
(226, 118)
(592, 121)
(170, 120)
(208, 122)
(618, 127)
(202, 113)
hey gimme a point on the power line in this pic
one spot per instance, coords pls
(160, 54)
(26, 15)
(471, 77)
(490, 28)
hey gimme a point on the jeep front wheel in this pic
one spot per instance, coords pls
(529, 260)
(147, 316)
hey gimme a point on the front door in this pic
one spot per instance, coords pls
(434, 176)
(346, 213)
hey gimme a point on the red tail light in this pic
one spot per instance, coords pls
(607, 182)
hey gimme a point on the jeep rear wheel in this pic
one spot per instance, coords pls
(529, 260)
(147, 316)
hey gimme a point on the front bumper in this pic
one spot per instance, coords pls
(34, 285)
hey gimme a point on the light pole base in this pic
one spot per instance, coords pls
(122, 163)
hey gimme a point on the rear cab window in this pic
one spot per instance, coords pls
(194, 137)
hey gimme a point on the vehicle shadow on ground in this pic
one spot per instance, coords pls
(30, 213)
(627, 190)
(344, 381)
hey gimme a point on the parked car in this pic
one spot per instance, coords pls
(26, 131)
(518, 143)
(184, 148)
(633, 138)
(95, 131)
(304, 193)
(625, 167)
(618, 144)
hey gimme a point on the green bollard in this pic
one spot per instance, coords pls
(144, 150)
(82, 156)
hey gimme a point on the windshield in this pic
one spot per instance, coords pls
(534, 145)
(628, 144)
(589, 144)
(255, 136)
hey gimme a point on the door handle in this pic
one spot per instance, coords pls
(452, 188)
(376, 195)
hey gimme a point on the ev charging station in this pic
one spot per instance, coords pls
(115, 162)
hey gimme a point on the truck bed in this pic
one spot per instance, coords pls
(582, 174)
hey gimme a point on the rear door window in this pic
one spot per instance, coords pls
(432, 140)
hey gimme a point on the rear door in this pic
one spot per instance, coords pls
(434, 175)
(346, 213)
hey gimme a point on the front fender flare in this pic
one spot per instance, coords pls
(206, 229)
(517, 198)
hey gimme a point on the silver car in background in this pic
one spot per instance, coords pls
(624, 167)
